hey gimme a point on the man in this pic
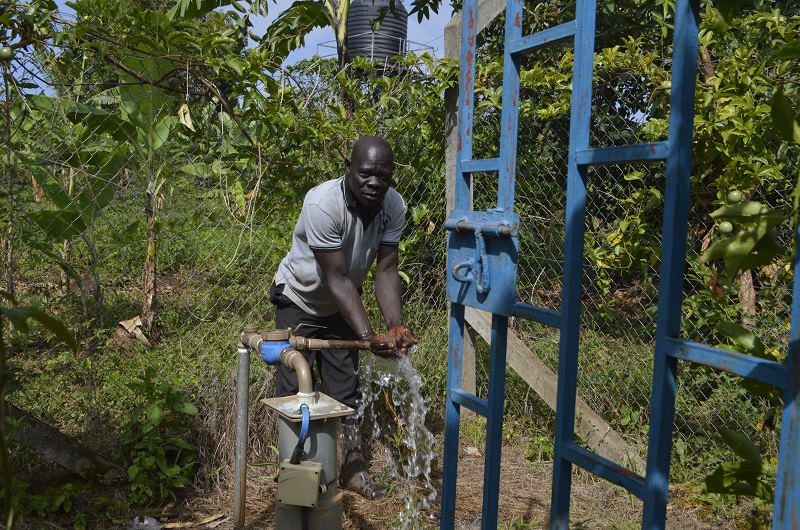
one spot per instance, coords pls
(344, 226)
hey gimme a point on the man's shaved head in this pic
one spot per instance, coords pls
(369, 143)
(369, 170)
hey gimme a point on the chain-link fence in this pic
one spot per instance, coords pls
(149, 204)
(141, 184)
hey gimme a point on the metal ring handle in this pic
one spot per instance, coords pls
(468, 276)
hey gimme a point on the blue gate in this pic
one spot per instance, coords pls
(482, 273)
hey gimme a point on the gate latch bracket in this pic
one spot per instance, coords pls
(483, 253)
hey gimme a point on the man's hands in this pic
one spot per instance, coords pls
(393, 344)
(403, 336)
(382, 346)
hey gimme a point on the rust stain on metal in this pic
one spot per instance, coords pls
(468, 75)
(788, 486)
(471, 18)
(627, 472)
(347, 344)
(653, 148)
(456, 356)
(517, 21)
(459, 141)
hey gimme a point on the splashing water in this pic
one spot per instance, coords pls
(401, 383)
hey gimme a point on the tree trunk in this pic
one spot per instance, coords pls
(39, 195)
(66, 250)
(5, 465)
(149, 311)
(347, 100)
(339, 11)
(97, 286)
(8, 246)
(747, 299)
(747, 291)
(705, 64)
(66, 253)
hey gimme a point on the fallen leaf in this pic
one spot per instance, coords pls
(185, 117)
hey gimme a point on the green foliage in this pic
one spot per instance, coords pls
(264, 135)
(58, 501)
(289, 30)
(755, 245)
(75, 216)
(473, 431)
(27, 23)
(161, 460)
(191, 9)
(751, 476)
(124, 78)
(737, 140)
(18, 316)
(783, 117)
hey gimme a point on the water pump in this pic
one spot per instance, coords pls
(308, 496)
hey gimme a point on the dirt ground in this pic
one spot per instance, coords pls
(524, 503)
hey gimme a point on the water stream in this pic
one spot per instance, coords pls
(405, 411)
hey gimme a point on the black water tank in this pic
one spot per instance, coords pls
(379, 45)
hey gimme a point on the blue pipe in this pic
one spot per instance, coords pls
(301, 441)
(271, 350)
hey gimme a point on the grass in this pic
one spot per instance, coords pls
(214, 277)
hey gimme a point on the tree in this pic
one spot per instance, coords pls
(290, 28)
(144, 87)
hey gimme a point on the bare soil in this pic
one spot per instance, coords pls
(524, 501)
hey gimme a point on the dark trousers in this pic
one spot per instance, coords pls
(338, 369)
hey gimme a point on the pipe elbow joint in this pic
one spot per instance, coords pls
(293, 359)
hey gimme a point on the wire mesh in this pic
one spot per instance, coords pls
(102, 173)
(150, 198)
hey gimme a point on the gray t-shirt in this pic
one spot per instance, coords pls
(329, 222)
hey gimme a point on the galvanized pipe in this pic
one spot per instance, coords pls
(304, 343)
(240, 464)
(251, 339)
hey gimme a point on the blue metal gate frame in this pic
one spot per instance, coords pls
(482, 265)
